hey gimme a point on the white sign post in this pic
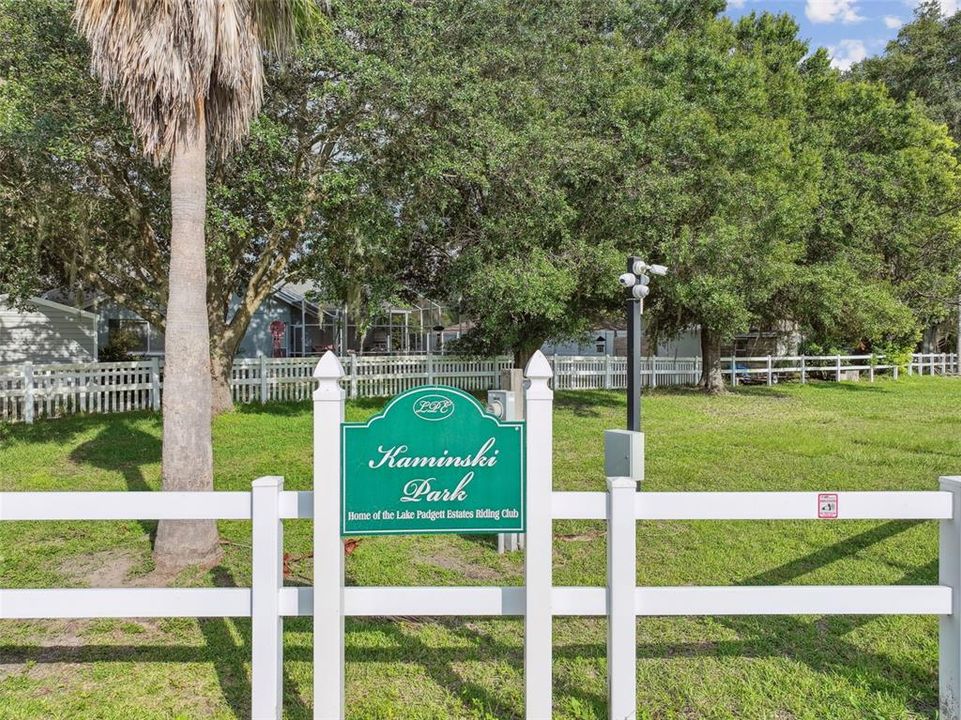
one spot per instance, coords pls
(949, 574)
(328, 548)
(621, 612)
(539, 547)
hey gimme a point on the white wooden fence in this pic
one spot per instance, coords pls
(30, 391)
(267, 602)
(934, 364)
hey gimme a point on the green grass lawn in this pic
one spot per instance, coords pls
(822, 436)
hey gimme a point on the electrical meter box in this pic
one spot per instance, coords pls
(502, 404)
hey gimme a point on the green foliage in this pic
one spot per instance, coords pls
(804, 197)
(504, 160)
(919, 68)
(517, 205)
(922, 62)
(730, 185)
(120, 347)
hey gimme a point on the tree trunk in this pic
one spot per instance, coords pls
(221, 364)
(712, 379)
(223, 347)
(524, 353)
(187, 444)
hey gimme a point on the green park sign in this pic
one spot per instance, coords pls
(433, 461)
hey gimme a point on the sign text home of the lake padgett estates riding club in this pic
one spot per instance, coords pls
(432, 461)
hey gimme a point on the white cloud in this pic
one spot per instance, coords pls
(735, 4)
(846, 53)
(829, 11)
(893, 22)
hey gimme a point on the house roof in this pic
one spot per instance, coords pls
(43, 302)
(295, 294)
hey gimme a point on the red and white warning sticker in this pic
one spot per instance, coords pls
(827, 506)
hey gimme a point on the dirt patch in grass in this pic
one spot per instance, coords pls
(117, 568)
(105, 569)
(113, 569)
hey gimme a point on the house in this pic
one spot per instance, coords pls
(612, 340)
(47, 332)
(305, 326)
(783, 338)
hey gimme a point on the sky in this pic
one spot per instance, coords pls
(851, 30)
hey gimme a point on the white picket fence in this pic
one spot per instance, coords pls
(30, 391)
(538, 601)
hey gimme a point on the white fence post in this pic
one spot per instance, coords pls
(621, 613)
(804, 378)
(770, 375)
(608, 382)
(949, 573)
(733, 371)
(155, 383)
(267, 625)
(28, 392)
(354, 364)
(264, 387)
(871, 368)
(328, 548)
(430, 369)
(538, 552)
(837, 368)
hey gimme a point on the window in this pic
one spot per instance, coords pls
(138, 329)
(601, 344)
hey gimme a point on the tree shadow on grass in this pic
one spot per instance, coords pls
(585, 403)
(231, 658)
(821, 646)
(122, 447)
(758, 390)
(846, 387)
(292, 408)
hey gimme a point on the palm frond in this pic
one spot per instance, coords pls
(280, 28)
(170, 63)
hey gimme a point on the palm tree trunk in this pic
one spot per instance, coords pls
(187, 444)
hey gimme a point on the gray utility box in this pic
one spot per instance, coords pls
(624, 454)
(502, 404)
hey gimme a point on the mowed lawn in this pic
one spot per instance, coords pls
(823, 436)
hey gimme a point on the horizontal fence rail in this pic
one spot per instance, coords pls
(666, 601)
(30, 391)
(852, 505)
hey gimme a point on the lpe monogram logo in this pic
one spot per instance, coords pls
(433, 407)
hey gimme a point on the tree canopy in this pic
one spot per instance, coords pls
(505, 160)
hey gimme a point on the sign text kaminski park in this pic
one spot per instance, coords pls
(432, 461)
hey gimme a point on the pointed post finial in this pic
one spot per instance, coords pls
(329, 366)
(328, 374)
(538, 372)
